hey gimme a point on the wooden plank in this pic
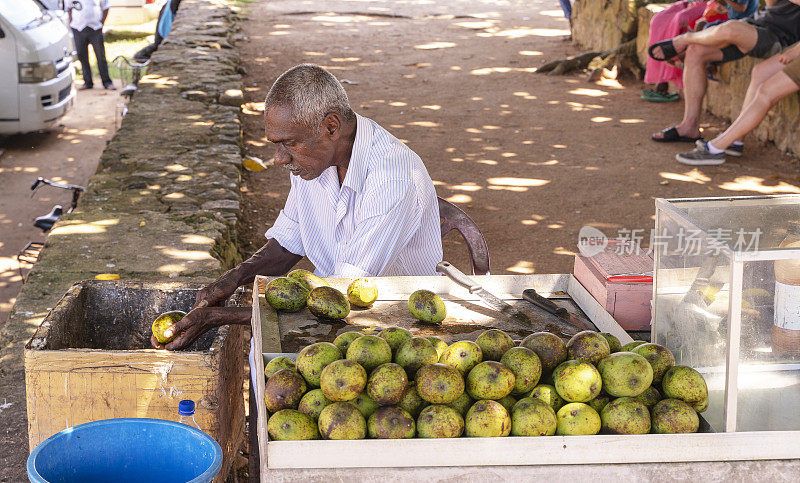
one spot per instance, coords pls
(547, 450)
(270, 330)
(141, 361)
(257, 365)
(596, 313)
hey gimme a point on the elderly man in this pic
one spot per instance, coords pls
(763, 35)
(361, 202)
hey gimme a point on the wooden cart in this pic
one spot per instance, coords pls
(516, 455)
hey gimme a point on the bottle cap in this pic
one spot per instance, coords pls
(186, 407)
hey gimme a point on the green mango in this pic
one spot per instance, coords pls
(291, 425)
(549, 347)
(386, 384)
(395, 336)
(426, 306)
(342, 341)
(286, 294)
(284, 390)
(438, 421)
(277, 364)
(625, 415)
(625, 374)
(328, 303)
(494, 343)
(577, 419)
(588, 346)
(342, 420)
(307, 279)
(439, 383)
(312, 403)
(163, 322)
(391, 422)
(533, 417)
(313, 358)
(674, 416)
(487, 419)
(370, 351)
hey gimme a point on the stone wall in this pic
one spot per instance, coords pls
(604, 24)
(164, 201)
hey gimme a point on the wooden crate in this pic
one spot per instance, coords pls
(90, 360)
(572, 451)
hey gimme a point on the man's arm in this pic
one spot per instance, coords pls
(104, 8)
(271, 259)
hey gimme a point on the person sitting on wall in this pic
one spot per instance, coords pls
(764, 34)
(771, 81)
(361, 203)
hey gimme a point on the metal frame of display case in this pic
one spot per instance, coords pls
(737, 259)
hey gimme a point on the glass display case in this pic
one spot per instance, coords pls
(726, 301)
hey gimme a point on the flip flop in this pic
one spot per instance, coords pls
(656, 96)
(671, 136)
(667, 48)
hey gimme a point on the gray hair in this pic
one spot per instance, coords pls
(311, 92)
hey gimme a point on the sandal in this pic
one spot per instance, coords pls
(656, 96)
(671, 135)
(667, 48)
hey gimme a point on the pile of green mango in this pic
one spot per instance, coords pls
(394, 385)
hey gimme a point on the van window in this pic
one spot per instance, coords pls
(24, 14)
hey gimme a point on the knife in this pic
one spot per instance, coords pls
(494, 302)
(533, 297)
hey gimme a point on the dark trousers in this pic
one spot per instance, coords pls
(82, 40)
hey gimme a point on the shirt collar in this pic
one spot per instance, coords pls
(359, 157)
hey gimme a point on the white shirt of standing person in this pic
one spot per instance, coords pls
(382, 221)
(86, 13)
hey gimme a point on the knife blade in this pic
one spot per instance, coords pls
(494, 302)
(536, 299)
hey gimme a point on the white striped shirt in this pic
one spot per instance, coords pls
(383, 221)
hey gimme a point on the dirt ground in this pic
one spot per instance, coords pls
(531, 158)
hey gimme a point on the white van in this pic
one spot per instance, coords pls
(35, 60)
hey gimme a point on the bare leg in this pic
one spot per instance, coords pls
(694, 85)
(760, 74)
(766, 95)
(741, 34)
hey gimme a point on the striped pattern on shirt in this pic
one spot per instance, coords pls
(382, 221)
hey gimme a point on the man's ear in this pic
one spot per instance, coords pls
(332, 124)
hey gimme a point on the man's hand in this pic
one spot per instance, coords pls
(218, 291)
(198, 322)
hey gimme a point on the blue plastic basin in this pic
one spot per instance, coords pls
(126, 450)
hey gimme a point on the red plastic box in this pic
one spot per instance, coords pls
(620, 279)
